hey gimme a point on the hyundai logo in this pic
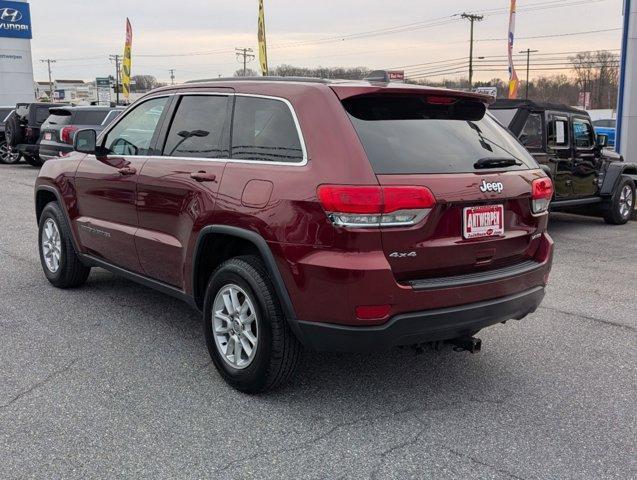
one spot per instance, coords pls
(10, 14)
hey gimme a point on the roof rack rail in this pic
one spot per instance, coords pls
(262, 79)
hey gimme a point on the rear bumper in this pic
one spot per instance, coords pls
(28, 149)
(420, 327)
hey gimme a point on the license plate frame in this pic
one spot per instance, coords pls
(489, 225)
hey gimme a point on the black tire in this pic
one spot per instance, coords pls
(13, 131)
(33, 161)
(615, 210)
(70, 272)
(8, 155)
(277, 352)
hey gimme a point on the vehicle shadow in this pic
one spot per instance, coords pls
(364, 384)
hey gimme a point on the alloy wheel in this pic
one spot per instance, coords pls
(7, 153)
(51, 245)
(234, 326)
(626, 201)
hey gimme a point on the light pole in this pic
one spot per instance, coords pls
(528, 52)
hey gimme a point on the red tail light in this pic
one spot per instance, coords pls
(374, 206)
(441, 100)
(541, 194)
(66, 135)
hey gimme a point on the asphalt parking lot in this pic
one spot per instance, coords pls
(114, 380)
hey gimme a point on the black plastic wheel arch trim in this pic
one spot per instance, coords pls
(268, 259)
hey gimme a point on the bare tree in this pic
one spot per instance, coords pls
(249, 73)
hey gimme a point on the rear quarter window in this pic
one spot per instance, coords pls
(264, 130)
(406, 135)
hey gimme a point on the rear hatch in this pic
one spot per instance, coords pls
(51, 130)
(480, 175)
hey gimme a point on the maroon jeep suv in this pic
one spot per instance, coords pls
(333, 215)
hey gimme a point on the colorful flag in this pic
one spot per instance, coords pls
(514, 83)
(263, 49)
(127, 62)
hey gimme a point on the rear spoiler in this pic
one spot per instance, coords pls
(344, 91)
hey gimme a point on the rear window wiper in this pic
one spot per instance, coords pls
(496, 162)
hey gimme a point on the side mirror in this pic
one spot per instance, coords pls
(602, 140)
(85, 141)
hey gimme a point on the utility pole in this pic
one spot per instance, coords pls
(117, 59)
(247, 55)
(472, 18)
(48, 62)
(528, 52)
(172, 76)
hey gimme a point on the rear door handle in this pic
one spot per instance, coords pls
(127, 171)
(202, 176)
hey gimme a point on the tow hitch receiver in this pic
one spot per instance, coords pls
(469, 344)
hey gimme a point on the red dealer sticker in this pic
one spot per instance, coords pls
(483, 221)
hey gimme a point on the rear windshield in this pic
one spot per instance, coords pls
(407, 135)
(89, 117)
(58, 118)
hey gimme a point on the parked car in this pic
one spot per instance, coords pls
(606, 127)
(22, 129)
(57, 132)
(346, 216)
(7, 153)
(588, 178)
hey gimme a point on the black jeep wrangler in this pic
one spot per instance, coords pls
(588, 178)
(22, 129)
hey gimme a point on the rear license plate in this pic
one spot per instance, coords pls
(483, 221)
(47, 136)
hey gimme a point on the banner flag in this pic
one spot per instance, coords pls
(514, 82)
(127, 62)
(263, 49)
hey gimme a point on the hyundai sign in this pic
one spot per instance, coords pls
(15, 20)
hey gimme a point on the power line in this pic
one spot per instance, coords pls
(403, 28)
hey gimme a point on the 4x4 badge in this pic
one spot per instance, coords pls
(402, 254)
(491, 187)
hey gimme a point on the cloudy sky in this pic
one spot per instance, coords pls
(197, 37)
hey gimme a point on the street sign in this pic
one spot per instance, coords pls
(103, 86)
(15, 20)
(492, 91)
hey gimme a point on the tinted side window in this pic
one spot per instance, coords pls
(197, 128)
(531, 135)
(583, 133)
(112, 115)
(4, 113)
(41, 114)
(95, 117)
(558, 136)
(133, 134)
(264, 129)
